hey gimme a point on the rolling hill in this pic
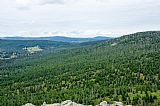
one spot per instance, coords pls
(125, 69)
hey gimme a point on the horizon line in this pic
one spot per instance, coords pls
(58, 36)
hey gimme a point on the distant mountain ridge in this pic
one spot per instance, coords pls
(59, 38)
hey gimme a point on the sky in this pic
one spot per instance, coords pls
(78, 18)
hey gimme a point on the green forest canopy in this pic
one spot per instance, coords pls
(124, 69)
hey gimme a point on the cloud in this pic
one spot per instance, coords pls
(28, 3)
(76, 33)
(53, 1)
(116, 16)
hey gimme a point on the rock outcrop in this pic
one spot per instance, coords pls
(119, 104)
(28, 104)
(65, 103)
(70, 103)
(104, 103)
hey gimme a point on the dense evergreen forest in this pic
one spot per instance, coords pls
(125, 69)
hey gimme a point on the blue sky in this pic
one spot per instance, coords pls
(77, 18)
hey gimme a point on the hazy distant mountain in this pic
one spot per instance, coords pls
(59, 38)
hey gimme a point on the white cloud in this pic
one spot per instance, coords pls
(30, 3)
(88, 16)
(86, 33)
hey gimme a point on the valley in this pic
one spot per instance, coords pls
(124, 69)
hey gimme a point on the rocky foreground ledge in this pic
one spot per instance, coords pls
(70, 103)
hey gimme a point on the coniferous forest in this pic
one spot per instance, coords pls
(125, 69)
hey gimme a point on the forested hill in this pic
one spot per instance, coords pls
(13, 49)
(138, 38)
(125, 69)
